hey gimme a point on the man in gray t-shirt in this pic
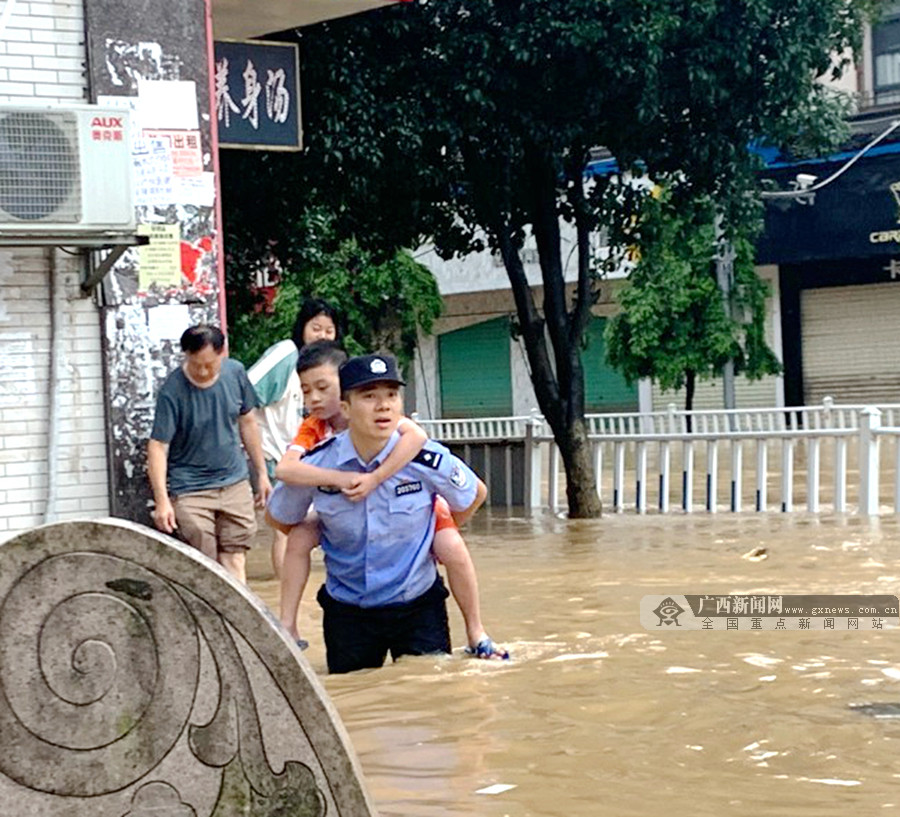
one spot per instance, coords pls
(195, 461)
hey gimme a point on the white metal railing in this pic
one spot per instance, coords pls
(477, 430)
(628, 446)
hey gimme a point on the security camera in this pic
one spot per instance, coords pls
(805, 181)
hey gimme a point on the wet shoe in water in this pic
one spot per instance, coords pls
(486, 649)
(302, 643)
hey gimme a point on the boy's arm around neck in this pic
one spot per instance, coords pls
(292, 470)
(412, 439)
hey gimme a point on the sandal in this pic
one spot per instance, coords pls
(487, 649)
(302, 643)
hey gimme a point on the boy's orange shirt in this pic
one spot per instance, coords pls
(312, 431)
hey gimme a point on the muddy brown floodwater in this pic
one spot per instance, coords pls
(595, 715)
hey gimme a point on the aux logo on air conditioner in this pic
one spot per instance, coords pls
(107, 129)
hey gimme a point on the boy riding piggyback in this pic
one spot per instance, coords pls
(336, 392)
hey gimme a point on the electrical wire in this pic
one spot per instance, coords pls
(792, 194)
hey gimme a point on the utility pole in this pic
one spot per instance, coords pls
(725, 280)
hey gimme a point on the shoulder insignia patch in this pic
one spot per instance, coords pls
(430, 459)
(458, 477)
(408, 488)
(320, 446)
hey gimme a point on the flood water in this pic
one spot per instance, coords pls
(596, 715)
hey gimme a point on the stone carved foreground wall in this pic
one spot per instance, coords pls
(139, 680)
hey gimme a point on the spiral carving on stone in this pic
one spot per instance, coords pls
(97, 652)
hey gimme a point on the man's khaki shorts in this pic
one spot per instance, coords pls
(219, 520)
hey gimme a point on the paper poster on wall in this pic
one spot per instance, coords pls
(168, 104)
(17, 375)
(198, 190)
(152, 173)
(160, 260)
(184, 147)
(168, 322)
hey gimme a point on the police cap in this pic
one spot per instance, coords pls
(368, 369)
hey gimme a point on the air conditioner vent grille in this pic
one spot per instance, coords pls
(40, 177)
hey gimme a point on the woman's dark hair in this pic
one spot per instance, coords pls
(196, 337)
(310, 309)
(319, 353)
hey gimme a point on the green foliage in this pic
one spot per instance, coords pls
(254, 330)
(674, 321)
(442, 107)
(382, 301)
(382, 304)
(471, 123)
(258, 236)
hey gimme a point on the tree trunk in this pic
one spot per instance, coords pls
(581, 488)
(559, 388)
(570, 434)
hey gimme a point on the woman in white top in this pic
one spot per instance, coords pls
(274, 378)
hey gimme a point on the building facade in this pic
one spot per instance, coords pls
(837, 251)
(831, 262)
(51, 366)
(80, 362)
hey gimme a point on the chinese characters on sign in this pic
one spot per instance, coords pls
(107, 129)
(160, 259)
(257, 95)
(676, 612)
(184, 148)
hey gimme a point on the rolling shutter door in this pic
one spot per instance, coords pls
(475, 370)
(851, 343)
(605, 390)
(709, 394)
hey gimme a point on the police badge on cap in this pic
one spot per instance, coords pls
(368, 369)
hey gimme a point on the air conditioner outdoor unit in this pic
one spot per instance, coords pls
(65, 171)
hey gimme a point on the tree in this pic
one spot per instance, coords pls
(472, 123)
(674, 325)
(382, 301)
(383, 304)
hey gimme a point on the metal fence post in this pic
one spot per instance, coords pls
(553, 498)
(532, 464)
(869, 423)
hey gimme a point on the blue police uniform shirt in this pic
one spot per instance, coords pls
(378, 551)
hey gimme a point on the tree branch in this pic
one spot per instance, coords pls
(584, 294)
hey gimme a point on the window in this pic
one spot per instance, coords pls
(886, 57)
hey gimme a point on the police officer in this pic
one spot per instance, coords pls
(382, 592)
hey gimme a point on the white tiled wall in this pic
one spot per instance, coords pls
(42, 52)
(42, 59)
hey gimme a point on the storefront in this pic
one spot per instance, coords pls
(838, 253)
